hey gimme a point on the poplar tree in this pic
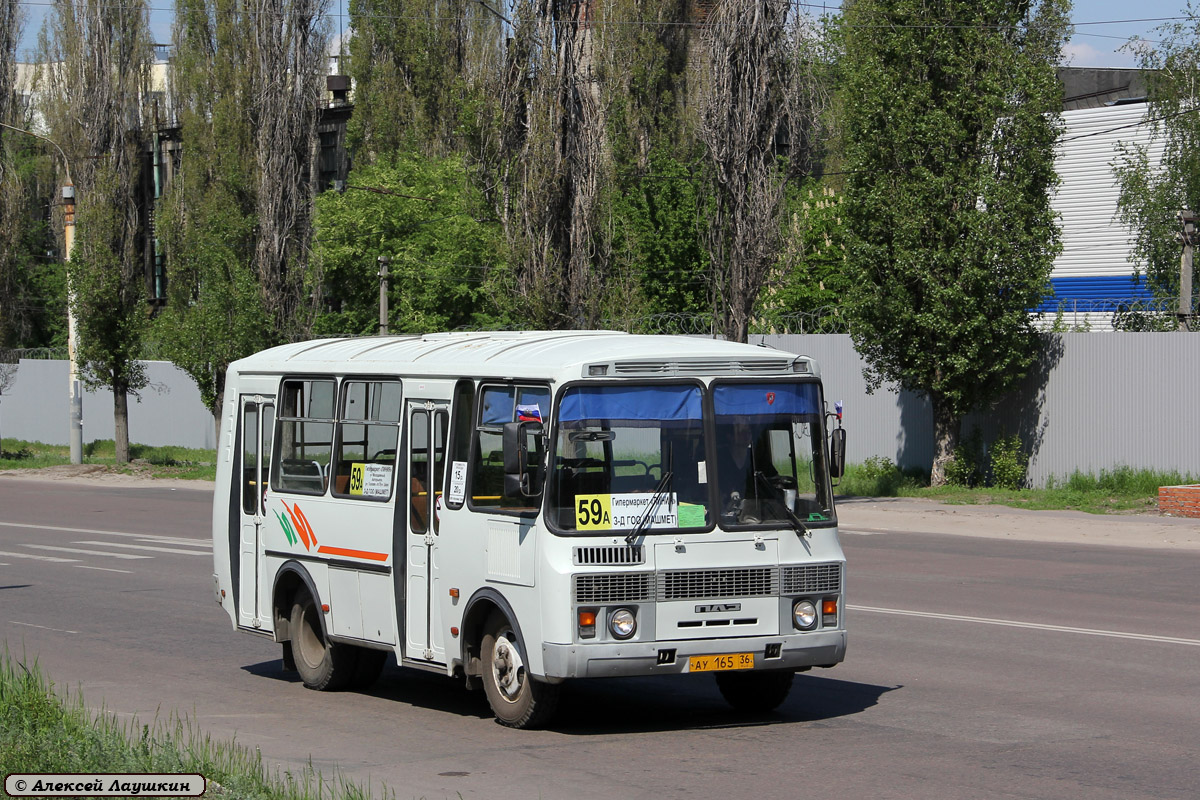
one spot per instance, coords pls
(236, 224)
(949, 115)
(96, 60)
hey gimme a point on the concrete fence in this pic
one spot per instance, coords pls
(1095, 401)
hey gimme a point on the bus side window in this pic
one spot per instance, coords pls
(500, 405)
(305, 439)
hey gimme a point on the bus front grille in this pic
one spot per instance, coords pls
(615, 587)
(700, 584)
(812, 579)
(609, 555)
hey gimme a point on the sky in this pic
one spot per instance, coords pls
(1103, 27)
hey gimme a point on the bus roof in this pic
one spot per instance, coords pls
(527, 354)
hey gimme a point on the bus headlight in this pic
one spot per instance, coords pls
(804, 614)
(622, 623)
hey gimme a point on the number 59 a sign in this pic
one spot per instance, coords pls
(603, 512)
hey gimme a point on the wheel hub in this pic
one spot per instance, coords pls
(507, 667)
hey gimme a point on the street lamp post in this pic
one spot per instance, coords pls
(74, 391)
(384, 262)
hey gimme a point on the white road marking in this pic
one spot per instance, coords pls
(103, 569)
(863, 531)
(40, 558)
(126, 556)
(146, 547)
(149, 537)
(1009, 623)
(43, 627)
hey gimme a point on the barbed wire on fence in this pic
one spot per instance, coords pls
(1118, 314)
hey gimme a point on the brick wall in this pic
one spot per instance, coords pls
(1179, 501)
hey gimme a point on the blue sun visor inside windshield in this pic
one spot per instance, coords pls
(596, 405)
(766, 399)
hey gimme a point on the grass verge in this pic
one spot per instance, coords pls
(1119, 490)
(42, 731)
(145, 461)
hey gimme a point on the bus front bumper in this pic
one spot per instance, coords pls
(623, 659)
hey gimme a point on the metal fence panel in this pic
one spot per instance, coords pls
(1094, 402)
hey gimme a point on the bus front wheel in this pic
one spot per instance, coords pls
(517, 699)
(755, 691)
(322, 665)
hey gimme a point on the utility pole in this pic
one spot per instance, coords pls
(384, 261)
(74, 390)
(1187, 234)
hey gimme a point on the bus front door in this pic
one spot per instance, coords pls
(427, 421)
(257, 423)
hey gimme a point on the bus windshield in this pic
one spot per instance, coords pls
(630, 457)
(771, 454)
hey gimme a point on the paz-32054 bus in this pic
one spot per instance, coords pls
(519, 509)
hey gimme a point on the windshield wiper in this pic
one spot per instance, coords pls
(644, 521)
(798, 526)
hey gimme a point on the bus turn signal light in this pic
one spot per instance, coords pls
(829, 607)
(587, 619)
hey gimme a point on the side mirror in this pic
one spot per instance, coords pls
(518, 474)
(837, 452)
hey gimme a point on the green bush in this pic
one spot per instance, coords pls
(966, 468)
(878, 476)
(1008, 462)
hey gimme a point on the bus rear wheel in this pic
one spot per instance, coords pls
(517, 699)
(322, 665)
(756, 691)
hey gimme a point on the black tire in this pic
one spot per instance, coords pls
(755, 691)
(517, 699)
(369, 666)
(323, 665)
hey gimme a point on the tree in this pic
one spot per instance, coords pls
(288, 57)
(97, 59)
(423, 215)
(949, 118)
(540, 145)
(236, 223)
(411, 61)
(32, 294)
(1151, 195)
(757, 114)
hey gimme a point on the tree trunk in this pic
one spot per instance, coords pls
(121, 421)
(215, 410)
(946, 429)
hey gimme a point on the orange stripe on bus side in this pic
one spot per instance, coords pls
(342, 551)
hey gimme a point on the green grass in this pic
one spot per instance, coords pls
(1119, 490)
(48, 731)
(146, 461)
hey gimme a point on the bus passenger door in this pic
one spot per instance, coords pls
(427, 421)
(257, 422)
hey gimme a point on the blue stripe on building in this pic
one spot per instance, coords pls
(1098, 293)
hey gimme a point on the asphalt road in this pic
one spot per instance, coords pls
(979, 667)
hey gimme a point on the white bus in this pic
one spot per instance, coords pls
(519, 509)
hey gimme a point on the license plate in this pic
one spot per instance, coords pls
(721, 662)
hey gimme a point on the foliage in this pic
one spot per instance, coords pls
(235, 222)
(878, 476)
(95, 65)
(44, 730)
(811, 273)
(967, 466)
(411, 67)
(1152, 194)
(160, 461)
(1008, 462)
(424, 217)
(758, 111)
(656, 237)
(947, 136)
